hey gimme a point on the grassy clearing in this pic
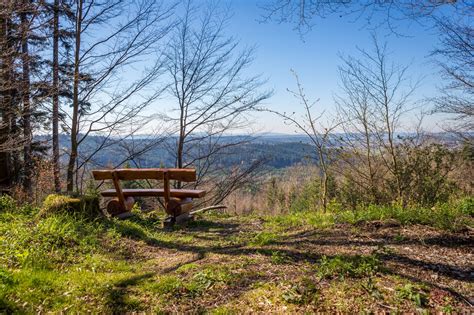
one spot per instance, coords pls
(298, 262)
(452, 216)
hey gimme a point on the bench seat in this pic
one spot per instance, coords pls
(177, 193)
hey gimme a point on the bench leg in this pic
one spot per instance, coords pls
(177, 206)
(170, 221)
(114, 207)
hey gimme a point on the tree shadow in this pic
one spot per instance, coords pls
(449, 271)
(339, 238)
(294, 248)
(202, 225)
(295, 241)
(116, 297)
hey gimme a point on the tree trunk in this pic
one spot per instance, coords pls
(75, 101)
(368, 144)
(57, 182)
(182, 136)
(5, 131)
(324, 180)
(27, 156)
(392, 152)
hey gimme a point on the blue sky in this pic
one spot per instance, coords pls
(279, 48)
(316, 58)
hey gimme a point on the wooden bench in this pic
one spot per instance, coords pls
(177, 202)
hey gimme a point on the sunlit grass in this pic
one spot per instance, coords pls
(68, 263)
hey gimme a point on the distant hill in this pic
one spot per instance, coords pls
(278, 150)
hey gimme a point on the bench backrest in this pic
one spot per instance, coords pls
(179, 174)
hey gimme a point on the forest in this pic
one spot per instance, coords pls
(154, 160)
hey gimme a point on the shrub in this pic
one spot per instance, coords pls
(7, 203)
(424, 173)
(308, 199)
(466, 206)
(275, 196)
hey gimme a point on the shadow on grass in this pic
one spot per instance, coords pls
(341, 237)
(117, 300)
(298, 252)
(336, 238)
(202, 225)
(7, 307)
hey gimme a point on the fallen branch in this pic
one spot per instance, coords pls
(209, 208)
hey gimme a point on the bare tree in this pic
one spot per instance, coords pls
(311, 125)
(213, 96)
(105, 100)
(356, 114)
(377, 94)
(303, 13)
(457, 63)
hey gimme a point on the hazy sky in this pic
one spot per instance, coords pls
(315, 58)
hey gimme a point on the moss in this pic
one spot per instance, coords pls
(84, 205)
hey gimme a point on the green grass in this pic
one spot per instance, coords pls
(414, 293)
(348, 266)
(68, 263)
(451, 216)
(303, 292)
(264, 238)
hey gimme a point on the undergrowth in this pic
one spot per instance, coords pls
(452, 216)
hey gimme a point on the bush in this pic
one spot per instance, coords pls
(7, 203)
(466, 206)
(424, 172)
(85, 205)
(308, 199)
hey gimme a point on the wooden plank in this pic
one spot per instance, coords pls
(183, 175)
(177, 193)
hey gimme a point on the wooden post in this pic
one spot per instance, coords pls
(166, 189)
(122, 203)
(115, 208)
